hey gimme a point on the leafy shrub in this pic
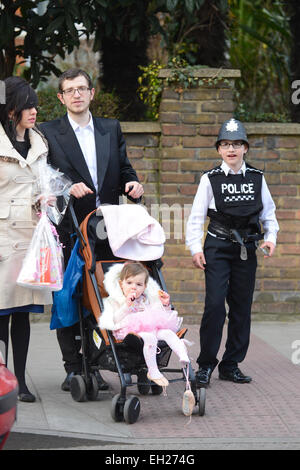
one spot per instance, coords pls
(181, 77)
(49, 105)
(246, 114)
(106, 105)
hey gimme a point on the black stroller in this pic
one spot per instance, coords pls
(100, 350)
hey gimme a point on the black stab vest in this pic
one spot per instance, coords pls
(237, 197)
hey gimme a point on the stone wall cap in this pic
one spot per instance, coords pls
(208, 72)
(267, 128)
(141, 127)
(272, 128)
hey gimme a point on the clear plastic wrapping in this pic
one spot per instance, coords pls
(54, 192)
(43, 263)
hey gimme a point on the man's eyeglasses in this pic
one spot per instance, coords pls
(71, 91)
(235, 145)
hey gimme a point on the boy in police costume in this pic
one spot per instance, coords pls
(235, 197)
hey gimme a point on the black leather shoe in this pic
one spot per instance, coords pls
(65, 386)
(26, 397)
(203, 376)
(101, 382)
(235, 375)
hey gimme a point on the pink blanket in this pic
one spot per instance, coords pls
(132, 233)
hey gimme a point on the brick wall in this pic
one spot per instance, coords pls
(275, 148)
(170, 157)
(143, 143)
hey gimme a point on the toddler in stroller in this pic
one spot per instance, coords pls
(137, 305)
(117, 310)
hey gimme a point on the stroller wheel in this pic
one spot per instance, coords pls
(78, 388)
(156, 389)
(143, 384)
(201, 401)
(93, 388)
(132, 409)
(117, 408)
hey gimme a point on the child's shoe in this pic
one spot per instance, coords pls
(161, 381)
(188, 403)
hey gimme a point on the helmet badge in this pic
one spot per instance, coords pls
(232, 125)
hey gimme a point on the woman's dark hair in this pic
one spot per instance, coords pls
(18, 96)
(70, 74)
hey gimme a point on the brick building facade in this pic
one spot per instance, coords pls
(171, 155)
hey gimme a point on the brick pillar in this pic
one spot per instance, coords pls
(190, 121)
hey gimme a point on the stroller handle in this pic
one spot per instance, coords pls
(75, 220)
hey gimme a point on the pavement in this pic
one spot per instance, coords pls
(264, 414)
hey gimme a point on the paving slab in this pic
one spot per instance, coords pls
(264, 414)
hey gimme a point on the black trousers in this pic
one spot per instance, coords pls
(228, 278)
(69, 340)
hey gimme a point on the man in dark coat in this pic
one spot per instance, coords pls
(91, 151)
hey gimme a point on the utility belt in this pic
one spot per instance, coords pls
(240, 236)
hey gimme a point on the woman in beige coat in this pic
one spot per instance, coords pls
(22, 146)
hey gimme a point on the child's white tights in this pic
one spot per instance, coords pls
(150, 348)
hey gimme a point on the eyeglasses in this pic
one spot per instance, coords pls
(235, 145)
(71, 91)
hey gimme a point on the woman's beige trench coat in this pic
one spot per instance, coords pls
(19, 186)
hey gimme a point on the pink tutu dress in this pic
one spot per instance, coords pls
(142, 316)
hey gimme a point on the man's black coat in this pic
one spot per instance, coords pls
(113, 167)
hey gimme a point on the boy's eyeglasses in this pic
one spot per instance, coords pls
(235, 145)
(71, 91)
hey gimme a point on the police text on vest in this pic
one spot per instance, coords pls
(244, 188)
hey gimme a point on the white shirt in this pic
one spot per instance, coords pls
(86, 139)
(205, 200)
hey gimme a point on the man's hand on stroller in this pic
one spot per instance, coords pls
(79, 190)
(134, 189)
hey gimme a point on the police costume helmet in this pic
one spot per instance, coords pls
(232, 130)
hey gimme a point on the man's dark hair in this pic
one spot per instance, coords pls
(70, 74)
